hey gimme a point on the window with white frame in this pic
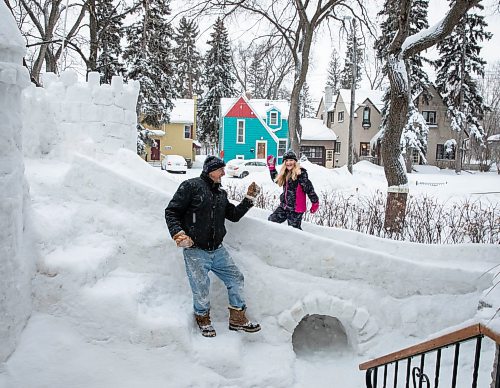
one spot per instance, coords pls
(443, 153)
(281, 148)
(340, 116)
(429, 117)
(273, 118)
(187, 131)
(240, 135)
(337, 147)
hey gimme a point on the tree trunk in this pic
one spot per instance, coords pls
(495, 373)
(409, 160)
(92, 63)
(391, 148)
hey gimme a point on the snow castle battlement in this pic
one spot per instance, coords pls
(16, 264)
(70, 115)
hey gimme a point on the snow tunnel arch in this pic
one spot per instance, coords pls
(335, 315)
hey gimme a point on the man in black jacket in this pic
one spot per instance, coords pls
(195, 217)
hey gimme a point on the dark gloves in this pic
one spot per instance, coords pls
(271, 162)
(253, 191)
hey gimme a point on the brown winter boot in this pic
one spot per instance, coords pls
(239, 321)
(205, 325)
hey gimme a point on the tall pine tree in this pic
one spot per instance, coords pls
(109, 31)
(149, 60)
(459, 62)
(188, 61)
(333, 79)
(306, 104)
(346, 73)
(218, 83)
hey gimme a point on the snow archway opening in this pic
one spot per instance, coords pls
(319, 334)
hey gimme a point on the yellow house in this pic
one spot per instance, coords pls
(178, 137)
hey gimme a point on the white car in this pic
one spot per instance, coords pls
(241, 168)
(174, 163)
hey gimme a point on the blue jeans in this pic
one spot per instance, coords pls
(198, 263)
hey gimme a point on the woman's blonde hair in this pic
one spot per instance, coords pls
(284, 174)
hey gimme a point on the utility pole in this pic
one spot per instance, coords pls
(352, 22)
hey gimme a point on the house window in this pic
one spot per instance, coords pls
(273, 118)
(330, 117)
(364, 149)
(442, 153)
(187, 131)
(240, 135)
(312, 152)
(415, 156)
(366, 118)
(281, 148)
(340, 116)
(429, 117)
(337, 147)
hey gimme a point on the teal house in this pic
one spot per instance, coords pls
(253, 128)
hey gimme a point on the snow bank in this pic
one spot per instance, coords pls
(16, 265)
(66, 115)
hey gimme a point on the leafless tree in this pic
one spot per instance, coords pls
(400, 50)
(263, 68)
(373, 70)
(295, 23)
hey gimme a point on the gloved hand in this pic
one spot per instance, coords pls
(183, 240)
(271, 162)
(314, 207)
(253, 191)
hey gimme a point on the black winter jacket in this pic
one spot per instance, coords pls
(294, 192)
(199, 207)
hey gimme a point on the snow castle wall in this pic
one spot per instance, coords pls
(16, 262)
(67, 115)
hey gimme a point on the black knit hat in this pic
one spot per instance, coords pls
(289, 155)
(212, 163)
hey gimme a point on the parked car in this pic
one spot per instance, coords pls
(241, 168)
(174, 163)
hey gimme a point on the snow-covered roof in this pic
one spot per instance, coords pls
(259, 106)
(375, 96)
(183, 111)
(157, 132)
(315, 129)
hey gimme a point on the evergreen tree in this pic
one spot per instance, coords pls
(333, 79)
(217, 81)
(149, 60)
(110, 31)
(188, 61)
(346, 73)
(459, 62)
(306, 105)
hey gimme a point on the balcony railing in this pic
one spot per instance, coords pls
(398, 365)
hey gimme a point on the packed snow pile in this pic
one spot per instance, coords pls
(110, 286)
(67, 115)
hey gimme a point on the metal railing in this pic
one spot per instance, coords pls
(397, 367)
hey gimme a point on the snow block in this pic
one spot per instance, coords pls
(360, 318)
(287, 321)
(298, 312)
(369, 331)
(93, 79)
(68, 78)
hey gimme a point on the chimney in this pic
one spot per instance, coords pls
(328, 101)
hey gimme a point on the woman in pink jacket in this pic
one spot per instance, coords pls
(296, 185)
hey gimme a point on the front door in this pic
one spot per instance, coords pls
(155, 151)
(261, 150)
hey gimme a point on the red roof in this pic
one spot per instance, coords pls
(241, 109)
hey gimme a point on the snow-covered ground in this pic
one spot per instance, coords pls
(112, 305)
